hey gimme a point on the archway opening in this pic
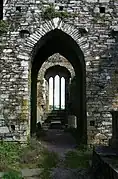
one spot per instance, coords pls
(57, 78)
(53, 91)
(56, 41)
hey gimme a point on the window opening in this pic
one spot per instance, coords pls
(60, 8)
(56, 93)
(50, 93)
(18, 8)
(102, 9)
(92, 123)
(62, 93)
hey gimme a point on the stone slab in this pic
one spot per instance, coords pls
(27, 173)
(108, 160)
(30, 172)
(106, 150)
(112, 162)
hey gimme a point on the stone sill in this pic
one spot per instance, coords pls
(105, 159)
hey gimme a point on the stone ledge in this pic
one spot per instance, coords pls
(27, 172)
(105, 160)
(31, 172)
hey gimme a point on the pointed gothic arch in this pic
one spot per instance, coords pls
(47, 26)
(57, 41)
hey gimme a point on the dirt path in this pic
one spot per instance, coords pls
(59, 141)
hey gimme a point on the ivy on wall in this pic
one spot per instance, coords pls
(24, 108)
(97, 18)
(3, 27)
(51, 13)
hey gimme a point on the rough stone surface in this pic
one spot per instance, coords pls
(100, 50)
(31, 172)
(70, 173)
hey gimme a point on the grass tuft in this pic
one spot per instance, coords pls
(76, 159)
(48, 160)
(12, 175)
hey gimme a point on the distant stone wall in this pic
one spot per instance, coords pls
(94, 20)
(53, 60)
(42, 91)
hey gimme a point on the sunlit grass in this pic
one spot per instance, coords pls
(14, 157)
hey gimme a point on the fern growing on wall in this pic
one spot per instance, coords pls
(3, 27)
(50, 13)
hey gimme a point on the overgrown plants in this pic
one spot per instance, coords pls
(50, 13)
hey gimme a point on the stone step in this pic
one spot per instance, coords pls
(56, 115)
(31, 172)
(27, 173)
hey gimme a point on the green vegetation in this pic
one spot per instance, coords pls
(45, 174)
(3, 30)
(51, 13)
(49, 160)
(12, 175)
(24, 107)
(9, 154)
(14, 157)
(78, 158)
(97, 18)
(3, 27)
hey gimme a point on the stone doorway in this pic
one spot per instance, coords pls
(53, 90)
(56, 41)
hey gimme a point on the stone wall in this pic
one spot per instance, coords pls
(42, 89)
(94, 20)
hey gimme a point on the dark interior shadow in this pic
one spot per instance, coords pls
(57, 41)
(54, 133)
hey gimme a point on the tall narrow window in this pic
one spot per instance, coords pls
(51, 93)
(62, 93)
(56, 93)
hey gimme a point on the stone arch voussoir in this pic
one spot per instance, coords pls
(57, 23)
(47, 64)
